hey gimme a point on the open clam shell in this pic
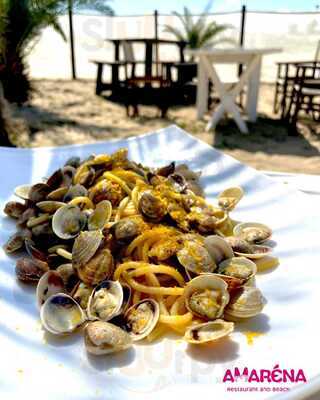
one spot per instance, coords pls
(218, 248)
(100, 216)
(208, 331)
(61, 314)
(50, 283)
(206, 296)
(238, 267)
(194, 257)
(141, 318)
(68, 221)
(247, 302)
(105, 301)
(244, 249)
(252, 232)
(105, 338)
(81, 293)
(127, 293)
(22, 191)
(230, 197)
(258, 251)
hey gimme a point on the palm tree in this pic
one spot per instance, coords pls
(21, 22)
(6, 126)
(197, 32)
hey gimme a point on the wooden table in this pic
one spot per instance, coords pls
(207, 60)
(149, 43)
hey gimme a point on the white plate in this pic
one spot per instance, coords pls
(32, 364)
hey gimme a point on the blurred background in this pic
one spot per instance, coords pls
(50, 51)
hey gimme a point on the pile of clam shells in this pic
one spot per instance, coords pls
(74, 245)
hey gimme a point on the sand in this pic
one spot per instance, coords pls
(66, 112)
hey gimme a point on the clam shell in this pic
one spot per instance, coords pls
(125, 229)
(247, 302)
(218, 248)
(141, 318)
(250, 232)
(244, 249)
(85, 246)
(206, 282)
(196, 258)
(68, 275)
(68, 221)
(151, 207)
(54, 181)
(178, 182)
(98, 268)
(50, 283)
(230, 197)
(105, 338)
(127, 293)
(81, 293)
(105, 301)
(73, 162)
(30, 270)
(14, 209)
(91, 264)
(61, 314)
(57, 194)
(49, 206)
(22, 191)
(38, 192)
(75, 191)
(100, 216)
(15, 242)
(208, 331)
(34, 252)
(68, 172)
(238, 267)
(259, 251)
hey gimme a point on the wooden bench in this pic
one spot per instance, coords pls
(115, 81)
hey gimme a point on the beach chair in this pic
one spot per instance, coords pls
(286, 75)
(305, 95)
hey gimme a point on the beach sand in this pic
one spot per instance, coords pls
(66, 112)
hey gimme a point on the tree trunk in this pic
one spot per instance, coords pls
(6, 127)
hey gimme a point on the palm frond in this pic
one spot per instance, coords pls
(174, 31)
(197, 33)
(21, 23)
(186, 21)
(212, 30)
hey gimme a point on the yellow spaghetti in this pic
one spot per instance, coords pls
(182, 260)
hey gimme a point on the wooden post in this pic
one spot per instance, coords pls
(73, 61)
(156, 26)
(242, 32)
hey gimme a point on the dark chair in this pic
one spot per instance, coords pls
(305, 95)
(286, 74)
(115, 75)
(129, 66)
